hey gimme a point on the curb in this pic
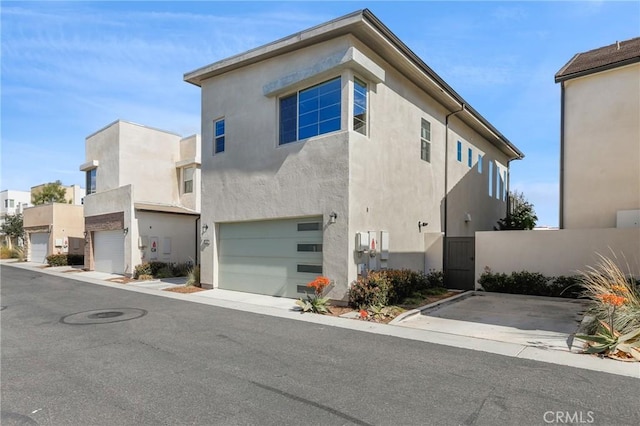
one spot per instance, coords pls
(406, 315)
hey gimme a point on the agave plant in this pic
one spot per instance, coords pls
(609, 341)
(316, 303)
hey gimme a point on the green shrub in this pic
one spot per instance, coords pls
(142, 269)
(164, 272)
(372, 290)
(181, 269)
(57, 260)
(531, 283)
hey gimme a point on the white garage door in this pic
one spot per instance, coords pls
(276, 257)
(39, 247)
(108, 251)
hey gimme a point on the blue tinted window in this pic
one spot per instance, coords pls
(479, 163)
(359, 106)
(470, 159)
(218, 136)
(460, 151)
(311, 112)
(288, 119)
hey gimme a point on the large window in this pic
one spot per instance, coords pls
(310, 112)
(91, 181)
(359, 106)
(425, 140)
(187, 177)
(218, 136)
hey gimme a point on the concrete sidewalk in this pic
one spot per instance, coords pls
(510, 325)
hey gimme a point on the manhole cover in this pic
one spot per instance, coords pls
(103, 316)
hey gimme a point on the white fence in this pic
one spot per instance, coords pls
(556, 252)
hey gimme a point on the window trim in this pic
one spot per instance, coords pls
(185, 181)
(216, 136)
(425, 142)
(365, 121)
(91, 184)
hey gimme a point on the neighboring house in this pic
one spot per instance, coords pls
(12, 202)
(143, 197)
(600, 138)
(599, 174)
(73, 194)
(53, 228)
(338, 150)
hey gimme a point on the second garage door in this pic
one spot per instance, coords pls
(108, 251)
(39, 247)
(275, 257)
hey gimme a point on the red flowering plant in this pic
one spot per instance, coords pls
(316, 303)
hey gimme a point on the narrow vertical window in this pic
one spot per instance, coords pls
(359, 106)
(425, 140)
(288, 119)
(187, 174)
(491, 179)
(504, 185)
(480, 163)
(91, 181)
(218, 136)
(470, 155)
(460, 151)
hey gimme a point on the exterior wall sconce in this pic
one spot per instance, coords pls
(125, 231)
(204, 228)
(332, 217)
(467, 217)
(421, 225)
(86, 234)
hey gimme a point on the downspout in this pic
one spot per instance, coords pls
(446, 183)
(561, 204)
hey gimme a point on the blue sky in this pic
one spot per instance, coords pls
(70, 68)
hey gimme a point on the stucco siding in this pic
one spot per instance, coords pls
(103, 146)
(556, 252)
(176, 236)
(601, 147)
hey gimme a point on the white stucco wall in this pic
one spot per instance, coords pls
(180, 229)
(556, 252)
(103, 146)
(601, 147)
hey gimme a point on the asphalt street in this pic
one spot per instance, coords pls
(75, 353)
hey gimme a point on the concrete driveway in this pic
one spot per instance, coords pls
(541, 322)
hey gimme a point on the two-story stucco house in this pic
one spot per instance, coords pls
(143, 197)
(53, 228)
(338, 150)
(600, 138)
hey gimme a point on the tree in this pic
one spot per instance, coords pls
(520, 214)
(52, 192)
(13, 227)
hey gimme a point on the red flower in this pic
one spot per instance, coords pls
(363, 313)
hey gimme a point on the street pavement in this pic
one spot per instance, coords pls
(76, 353)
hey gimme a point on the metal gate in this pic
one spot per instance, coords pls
(460, 263)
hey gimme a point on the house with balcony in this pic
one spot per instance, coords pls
(335, 151)
(143, 197)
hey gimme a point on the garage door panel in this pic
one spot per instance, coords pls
(39, 247)
(108, 249)
(267, 248)
(264, 257)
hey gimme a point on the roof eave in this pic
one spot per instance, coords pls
(559, 77)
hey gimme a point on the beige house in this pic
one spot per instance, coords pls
(600, 138)
(74, 194)
(143, 197)
(335, 151)
(599, 173)
(54, 228)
